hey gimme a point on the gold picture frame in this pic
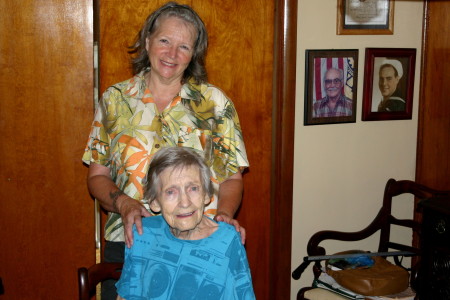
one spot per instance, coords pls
(365, 17)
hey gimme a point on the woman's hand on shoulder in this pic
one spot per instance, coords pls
(221, 217)
(113, 199)
(131, 212)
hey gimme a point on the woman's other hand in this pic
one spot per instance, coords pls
(234, 222)
(230, 195)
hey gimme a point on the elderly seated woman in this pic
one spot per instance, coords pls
(182, 253)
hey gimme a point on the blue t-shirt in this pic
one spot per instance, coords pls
(161, 266)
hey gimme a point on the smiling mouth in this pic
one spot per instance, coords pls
(168, 64)
(186, 215)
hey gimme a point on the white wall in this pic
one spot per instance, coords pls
(340, 170)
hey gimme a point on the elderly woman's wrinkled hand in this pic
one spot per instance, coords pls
(131, 212)
(234, 222)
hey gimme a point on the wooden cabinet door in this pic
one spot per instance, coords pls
(46, 102)
(433, 145)
(433, 135)
(240, 61)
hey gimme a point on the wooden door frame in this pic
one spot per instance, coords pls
(283, 121)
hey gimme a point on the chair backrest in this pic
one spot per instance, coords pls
(382, 223)
(395, 188)
(88, 278)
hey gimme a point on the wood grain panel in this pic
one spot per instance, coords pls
(46, 214)
(240, 62)
(283, 147)
(433, 136)
(433, 149)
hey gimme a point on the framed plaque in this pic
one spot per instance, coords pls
(365, 17)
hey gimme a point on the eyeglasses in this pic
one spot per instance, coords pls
(335, 81)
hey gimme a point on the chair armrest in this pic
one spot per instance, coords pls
(313, 247)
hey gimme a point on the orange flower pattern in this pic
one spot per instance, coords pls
(128, 129)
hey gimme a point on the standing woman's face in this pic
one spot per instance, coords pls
(170, 49)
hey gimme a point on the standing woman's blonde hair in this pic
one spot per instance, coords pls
(196, 68)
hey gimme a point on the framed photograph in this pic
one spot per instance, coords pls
(365, 17)
(330, 86)
(388, 84)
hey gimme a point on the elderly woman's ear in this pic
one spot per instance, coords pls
(154, 206)
(207, 199)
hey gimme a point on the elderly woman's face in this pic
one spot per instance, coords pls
(181, 199)
(170, 48)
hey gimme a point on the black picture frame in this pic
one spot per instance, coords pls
(316, 65)
(388, 100)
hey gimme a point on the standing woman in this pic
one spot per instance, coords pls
(167, 103)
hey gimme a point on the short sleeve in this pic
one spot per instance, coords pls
(98, 145)
(229, 150)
